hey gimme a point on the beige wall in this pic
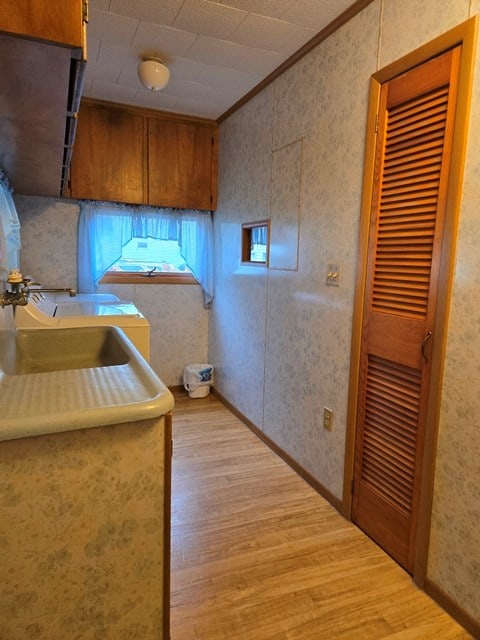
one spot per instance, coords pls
(280, 339)
(178, 321)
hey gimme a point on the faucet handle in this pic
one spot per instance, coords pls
(14, 277)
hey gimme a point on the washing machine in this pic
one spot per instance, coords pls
(60, 310)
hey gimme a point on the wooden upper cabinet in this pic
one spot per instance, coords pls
(144, 157)
(43, 60)
(57, 21)
(181, 164)
(108, 160)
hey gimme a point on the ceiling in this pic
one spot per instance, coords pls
(217, 51)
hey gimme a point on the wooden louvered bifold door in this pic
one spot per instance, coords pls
(415, 124)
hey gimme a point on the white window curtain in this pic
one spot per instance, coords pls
(9, 229)
(104, 229)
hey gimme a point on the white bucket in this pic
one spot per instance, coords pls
(197, 379)
(200, 392)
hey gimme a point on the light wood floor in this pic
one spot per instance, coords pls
(257, 554)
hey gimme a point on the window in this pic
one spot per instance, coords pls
(255, 237)
(151, 256)
(120, 244)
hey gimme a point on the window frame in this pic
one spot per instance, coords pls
(140, 277)
(246, 243)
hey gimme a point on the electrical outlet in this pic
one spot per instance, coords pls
(327, 418)
(333, 275)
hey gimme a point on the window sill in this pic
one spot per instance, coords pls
(116, 277)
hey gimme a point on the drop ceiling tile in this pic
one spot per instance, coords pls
(164, 102)
(87, 88)
(103, 5)
(112, 92)
(200, 91)
(270, 8)
(216, 76)
(93, 47)
(315, 14)
(104, 25)
(164, 42)
(129, 76)
(208, 18)
(156, 11)
(116, 54)
(233, 55)
(102, 71)
(266, 33)
(298, 40)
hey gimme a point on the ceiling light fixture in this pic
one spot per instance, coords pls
(153, 74)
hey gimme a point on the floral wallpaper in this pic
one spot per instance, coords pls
(81, 553)
(454, 561)
(178, 321)
(282, 337)
(237, 336)
(302, 323)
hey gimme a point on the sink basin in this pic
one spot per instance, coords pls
(69, 378)
(25, 351)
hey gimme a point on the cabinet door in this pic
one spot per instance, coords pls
(58, 21)
(182, 164)
(108, 157)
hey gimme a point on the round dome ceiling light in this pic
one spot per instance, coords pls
(153, 74)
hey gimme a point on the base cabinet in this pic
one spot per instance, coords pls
(86, 533)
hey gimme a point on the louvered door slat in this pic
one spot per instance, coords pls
(431, 98)
(415, 276)
(414, 154)
(428, 114)
(392, 430)
(426, 130)
(399, 470)
(397, 233)
(407, 186)
(402, 217)
(410, 175)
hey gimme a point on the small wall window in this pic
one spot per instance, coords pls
(255, 239)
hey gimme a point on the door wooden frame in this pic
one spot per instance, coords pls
(466, 35)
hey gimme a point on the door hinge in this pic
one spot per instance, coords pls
(213, 141)
(85, 10)
(376, 123)
(352, 486)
